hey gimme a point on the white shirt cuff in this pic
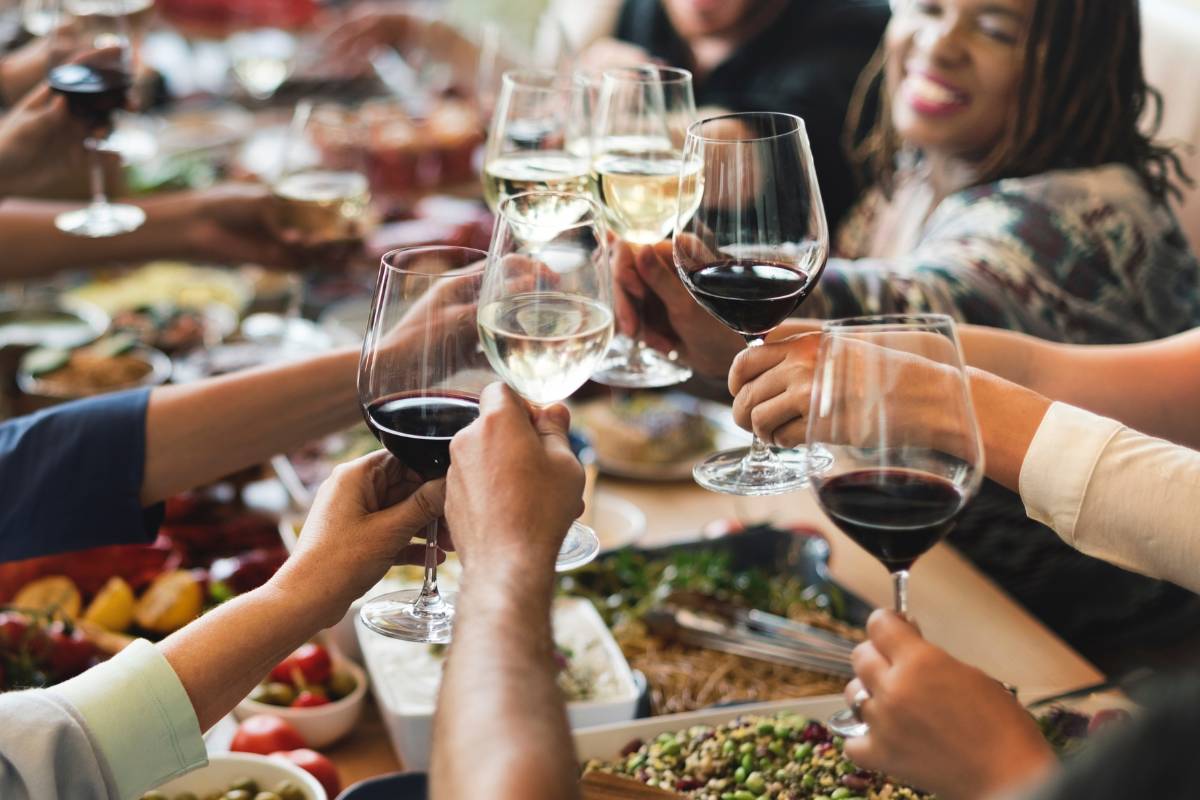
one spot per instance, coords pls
(140, 718)
(1059, 464)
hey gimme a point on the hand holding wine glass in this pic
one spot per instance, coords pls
(545, 312)
(749, 254)
(900, 473)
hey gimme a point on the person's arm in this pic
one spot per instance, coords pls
(135, 721)
(197, 432)
(512, 491)
(228, 224)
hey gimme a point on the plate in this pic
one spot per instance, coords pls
(618, 523)
(719, 418)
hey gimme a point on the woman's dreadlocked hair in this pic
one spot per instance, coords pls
(1080, 103)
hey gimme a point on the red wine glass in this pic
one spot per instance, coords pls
(892, 407)
(419, 379)
(749, 251)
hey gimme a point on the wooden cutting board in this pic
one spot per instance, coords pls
(603, 786)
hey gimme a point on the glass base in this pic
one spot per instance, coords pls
(629, 365)
(579, 547)
(395, 614)
(848, 726)
(100, 219)
(729, 472)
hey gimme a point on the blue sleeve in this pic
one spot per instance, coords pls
(72, 477)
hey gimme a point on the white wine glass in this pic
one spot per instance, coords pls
(643, 183)
(545, 313)
(539, 140)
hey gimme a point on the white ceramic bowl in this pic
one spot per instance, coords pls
(409, 719)
(319, 725)
(225, 768)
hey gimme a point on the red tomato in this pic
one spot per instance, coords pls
(70, 653)
(264, 734)
(307, 699)
(311, 660)
(316, 765)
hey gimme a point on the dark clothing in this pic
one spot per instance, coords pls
(72, 477)
(806, 62)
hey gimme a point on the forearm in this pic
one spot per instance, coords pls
(198, 432)
(1009, 416)
(220, 657)
(501, 729)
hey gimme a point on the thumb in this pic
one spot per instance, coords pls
(414, 513)
(553, 422)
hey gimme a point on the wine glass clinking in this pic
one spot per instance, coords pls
(419, 379)
(539, 140)
(545, 312)
(891, 405)
(644, 184)
(749, 250)
(92, 67)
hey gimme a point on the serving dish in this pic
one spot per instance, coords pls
(225, 768)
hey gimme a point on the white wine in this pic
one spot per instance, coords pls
(641, 191)
(321, 206)
(545, 345)
(261, 75)
(95, 17)
(548, 170)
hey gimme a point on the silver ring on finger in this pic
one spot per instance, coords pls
(856, 703)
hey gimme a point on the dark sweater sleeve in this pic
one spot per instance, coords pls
(72, 477)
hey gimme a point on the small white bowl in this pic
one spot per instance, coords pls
(319, 725)
(225, 768)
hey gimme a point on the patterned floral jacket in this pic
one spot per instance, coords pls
(1084, 256)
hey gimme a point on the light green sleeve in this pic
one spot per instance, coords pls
(140, 718)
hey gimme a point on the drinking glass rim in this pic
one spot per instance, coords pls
(694, 128)
(629, 74)
(432, 248)
(593, 207)
(523, 77)
(888, 322)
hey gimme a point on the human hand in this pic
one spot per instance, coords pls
(351, 42)
(229, 224)
(41, 146)
(362, 522)
(671, 317)
(772, 387)
(514, 485)
(938, 723)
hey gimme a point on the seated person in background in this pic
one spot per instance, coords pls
(1014, 188)
(798, 56)
(1107, 490)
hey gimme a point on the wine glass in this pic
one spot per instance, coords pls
(262, 59)
(644, 184)
(419, 380)
(891, 404)
(92, 67)
(749, 250)
(539, 140)
(545, 313)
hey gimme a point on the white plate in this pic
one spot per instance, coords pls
(726, 434)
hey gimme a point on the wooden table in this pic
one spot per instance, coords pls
(957, 607)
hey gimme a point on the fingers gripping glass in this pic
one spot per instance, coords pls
(643, 183)
(419, 379)
(749, 249)
(891, 404)
(92, 68)
(545, 312)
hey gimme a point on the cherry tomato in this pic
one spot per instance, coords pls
(308, 699)
(312, 661)
(316, 765)
(264, 734)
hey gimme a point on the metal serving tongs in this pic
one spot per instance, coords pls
(701, 629)
(751, 620)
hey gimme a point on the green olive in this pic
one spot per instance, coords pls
(186, 796)
(289, 791)
(342, 684)
(238, 794)
(266, 796)
(154, 796)
(245, 784)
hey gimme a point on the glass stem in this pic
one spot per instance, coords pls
(429, 603)
(99, 197)
(759, 453)
(900, 592)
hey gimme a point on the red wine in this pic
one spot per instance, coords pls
(749, 295)
(92, 93)
(895, 514)
(417, 428)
